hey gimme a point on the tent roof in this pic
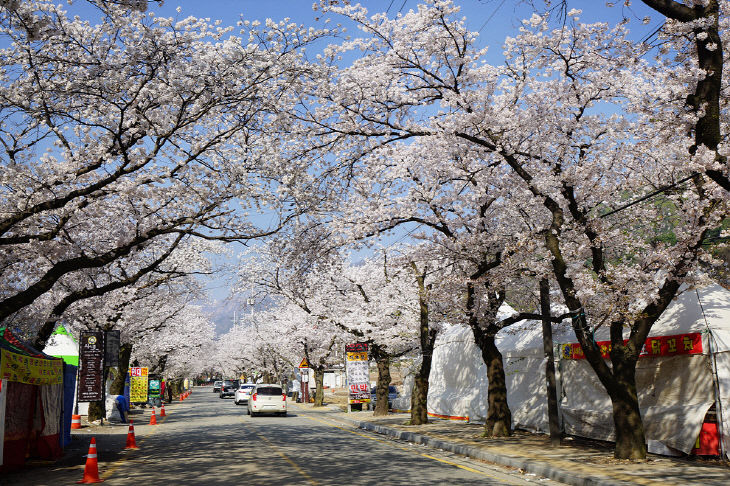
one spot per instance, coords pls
(12, 343)
(62, 345)
(693, 310)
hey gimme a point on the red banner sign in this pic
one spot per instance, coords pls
(654, 346)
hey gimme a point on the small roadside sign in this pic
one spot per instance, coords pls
(304, 363)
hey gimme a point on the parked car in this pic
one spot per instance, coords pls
(228, 388)
(243, 393)
(392, 395)
(217, 386)
(266, 398)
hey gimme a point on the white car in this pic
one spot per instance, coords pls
(243, 393)
(267, 398)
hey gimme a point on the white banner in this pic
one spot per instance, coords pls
(358, 372)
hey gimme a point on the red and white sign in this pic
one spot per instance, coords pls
(653, 347)
(358, 372)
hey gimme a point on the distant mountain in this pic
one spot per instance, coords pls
(222, 314)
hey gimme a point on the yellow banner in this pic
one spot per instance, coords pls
(138, 388)
(27, 369)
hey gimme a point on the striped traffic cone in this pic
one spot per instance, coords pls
(162, 411)
(91, 469)
(153, 418)
(131, 442)
(75, 421)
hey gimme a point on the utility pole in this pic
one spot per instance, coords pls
(547, 344)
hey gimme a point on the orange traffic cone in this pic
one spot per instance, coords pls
(91, 470)
(181, 397)
(162, 411)
(131, 442)
(75, 421)
(153, 418)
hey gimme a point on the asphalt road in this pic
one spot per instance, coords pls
(207, 440)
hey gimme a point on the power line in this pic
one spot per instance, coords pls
(391, 4)
(491, 16)
(650, 195)
(401, 7)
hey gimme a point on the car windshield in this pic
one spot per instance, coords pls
(269, 390)
(230, 383)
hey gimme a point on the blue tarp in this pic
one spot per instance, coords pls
(69, 387)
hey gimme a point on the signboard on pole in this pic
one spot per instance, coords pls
(155, 388)
(358, 372)
(111, 348)
(138, 385)
(91, 366)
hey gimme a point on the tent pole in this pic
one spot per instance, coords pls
(715, 381)
(718, 397)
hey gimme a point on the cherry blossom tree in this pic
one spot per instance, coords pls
(124, 139)
(579, 121)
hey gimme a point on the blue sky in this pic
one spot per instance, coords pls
(494, 19)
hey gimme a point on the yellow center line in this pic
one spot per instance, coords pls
(450, 463)
(287, 459)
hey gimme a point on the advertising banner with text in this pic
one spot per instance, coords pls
(653, 347)
(138, 384)
(91, 366)
(358, 372)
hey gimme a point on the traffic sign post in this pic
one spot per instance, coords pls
(304, 374)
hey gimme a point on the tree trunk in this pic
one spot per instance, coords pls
(117, 386)
(630, 439)
(319, 380)
(499, 416)
(381, 390)
(96, 411)
(427, 338)
(419, 400)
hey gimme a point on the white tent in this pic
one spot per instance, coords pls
(675, 392)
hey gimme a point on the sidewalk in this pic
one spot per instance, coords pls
(575, 462)
(110, 442)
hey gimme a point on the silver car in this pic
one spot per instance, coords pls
(267, 398)
(243, 393)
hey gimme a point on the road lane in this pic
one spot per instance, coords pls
(211, 441)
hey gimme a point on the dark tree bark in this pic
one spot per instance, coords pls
(619, 378)
(96, 411)
(44, 333)
(117, 386)
(427, 337)
(706, 97)
(499, 416)
(381, 390)
(319, 380)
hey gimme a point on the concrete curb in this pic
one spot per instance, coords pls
(541, 469)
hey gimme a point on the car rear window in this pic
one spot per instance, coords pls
(269, 390)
